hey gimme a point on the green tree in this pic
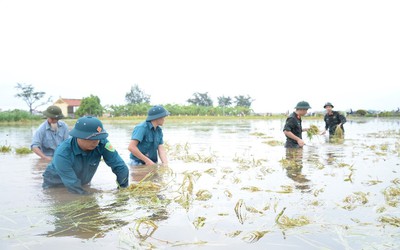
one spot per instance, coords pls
(201, 99)
(137, 96)
(30, 97)
(243, 101)
(90, 106)
(224, 101)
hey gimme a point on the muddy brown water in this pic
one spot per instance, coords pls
(337, 190)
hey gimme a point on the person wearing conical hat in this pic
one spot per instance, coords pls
(293, 128)
(49, 134)
(77, 158)
(147, 139)
(333, 119)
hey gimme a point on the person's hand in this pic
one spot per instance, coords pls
(300, 142)
(47, 158)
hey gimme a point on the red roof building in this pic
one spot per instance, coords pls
(68, 106)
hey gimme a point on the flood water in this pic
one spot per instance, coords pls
(230, 184)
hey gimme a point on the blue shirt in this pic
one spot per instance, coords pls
(72, 167)
(149, 139)
(48, 140)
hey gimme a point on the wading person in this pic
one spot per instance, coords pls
(76, 159)
(293, 129)
(147, 139)
(333, 121)
(50, 133)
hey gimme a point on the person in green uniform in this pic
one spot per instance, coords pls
(293, 128)
(333, 119)
(76, 159)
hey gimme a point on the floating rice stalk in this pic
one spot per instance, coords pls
(211, 171)
(372, 182)
(394, 221)
(392, 195)
(233, 234)
(84, 218)
(228, 194)
(274, 143)
(144, 228)
(251, 189)
(279, 215)
(186, 189)
(203, 195)
(199, 222)
(352, 201)
(396, 181)
(286, 222)
(312, 130)
(240, 211)
(253, 210)
(254, 236)
(144, 188)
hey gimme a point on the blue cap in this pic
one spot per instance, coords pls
(89, 128)
(156, 112)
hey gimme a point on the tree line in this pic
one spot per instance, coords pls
(138, 103)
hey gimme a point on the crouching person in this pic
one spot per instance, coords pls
(76, 159)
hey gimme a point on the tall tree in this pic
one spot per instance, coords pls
(243, 101)
(137, 96)
(30, 97)
(201, 99)
(224, 101)
(90, 106)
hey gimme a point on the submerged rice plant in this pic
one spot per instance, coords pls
(23, 150)
(5, 149)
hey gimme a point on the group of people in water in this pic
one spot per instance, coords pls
(75, 155)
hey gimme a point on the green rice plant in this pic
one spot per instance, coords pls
(5, 149)
(311, 131)
(23, 151)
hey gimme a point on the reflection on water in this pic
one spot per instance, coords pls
(294, 166)
(167, 208)
(82, 217)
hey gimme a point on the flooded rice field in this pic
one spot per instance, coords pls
(229, 184)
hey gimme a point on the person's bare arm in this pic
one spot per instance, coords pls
(294, 137)
(39, 152)
(163, 154)
(133, 148)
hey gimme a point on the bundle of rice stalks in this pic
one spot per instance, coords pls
(145, 187)
(338, 132)
(313, 130)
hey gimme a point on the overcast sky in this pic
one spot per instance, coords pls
(277, 52)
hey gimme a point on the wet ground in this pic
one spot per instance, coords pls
(229, 184)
